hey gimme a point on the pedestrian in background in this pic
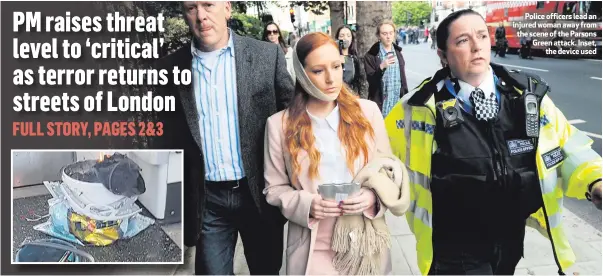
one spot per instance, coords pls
(237, 83)
(432, 33)
(351, 65)
(384, 66)
(501, 40)
(272, 33)
(314, 142)
(526, 47)
(293, 38)
(485, 147)
(411, 31)
(402, 35)
(426, 34)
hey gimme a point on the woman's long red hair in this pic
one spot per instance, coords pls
(353, 126)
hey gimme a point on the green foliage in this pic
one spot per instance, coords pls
(317, 7)
(419, 11)
(171, 9)
(246, 25)
(176, 33)
(239, 6)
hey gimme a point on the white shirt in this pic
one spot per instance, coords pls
(209, 58)
(215, 89)
(333, 166)
(487, 85)
(289, 59)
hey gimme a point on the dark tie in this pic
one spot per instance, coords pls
(486, 108)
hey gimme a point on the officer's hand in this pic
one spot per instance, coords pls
(595, 195)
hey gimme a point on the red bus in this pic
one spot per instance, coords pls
(581, 19)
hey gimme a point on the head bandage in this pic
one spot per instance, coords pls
(306, 83)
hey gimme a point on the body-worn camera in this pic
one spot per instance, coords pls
(450, 111)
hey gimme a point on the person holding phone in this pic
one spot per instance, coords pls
(325, 136)
(384, 66)
(351, 64)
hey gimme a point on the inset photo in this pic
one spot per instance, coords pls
(97, 206)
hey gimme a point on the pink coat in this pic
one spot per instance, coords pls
(294, 196)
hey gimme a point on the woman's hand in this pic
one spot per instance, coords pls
(321, 209)
(359, 203)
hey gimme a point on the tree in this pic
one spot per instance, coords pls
(419, 12)
(246, 25)
(316, 7)
(368, 16)
(337, 16)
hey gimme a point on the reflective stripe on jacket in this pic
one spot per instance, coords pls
(411, 128)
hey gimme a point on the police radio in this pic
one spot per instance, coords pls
(531, 109)
(451, 113)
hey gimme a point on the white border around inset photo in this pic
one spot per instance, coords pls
(86, 154)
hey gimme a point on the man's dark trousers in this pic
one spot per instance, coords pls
(230, 209)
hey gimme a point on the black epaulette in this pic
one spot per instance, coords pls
(521, 80)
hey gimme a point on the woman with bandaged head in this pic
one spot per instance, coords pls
(328, 138)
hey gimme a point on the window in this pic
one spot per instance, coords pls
(439, 4)
(540, 5)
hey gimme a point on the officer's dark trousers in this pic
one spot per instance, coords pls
(228, 212)
(497, 258)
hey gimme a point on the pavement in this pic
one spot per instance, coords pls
(538, 258)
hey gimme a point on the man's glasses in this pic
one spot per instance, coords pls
(271, 32)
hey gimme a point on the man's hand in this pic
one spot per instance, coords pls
(391, 59)
(595, 194)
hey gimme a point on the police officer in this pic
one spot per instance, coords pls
(485, 147)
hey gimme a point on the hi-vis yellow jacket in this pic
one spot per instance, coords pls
(411, 126)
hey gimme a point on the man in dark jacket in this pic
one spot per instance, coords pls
(501, 39)
(237, 83)
(384, 66)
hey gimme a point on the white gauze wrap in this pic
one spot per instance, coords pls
(304, 81)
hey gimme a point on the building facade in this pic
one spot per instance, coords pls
(305, 21)
(441, 9)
